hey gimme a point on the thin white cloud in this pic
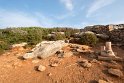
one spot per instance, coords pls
(98, 4)
(16, 19)
(23, 19)
(65, 16)
(68, 4)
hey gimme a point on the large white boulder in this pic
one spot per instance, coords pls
(45, 49)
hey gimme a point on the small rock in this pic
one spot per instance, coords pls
(75, 53)
(54, 65)
(41, 68)
(113, 66)
(49, 74)
(68, 54)
(79, 50)
(114, 62)
(60, 53)
(35, 61)
(85, 63)
(66, 41)
(92, 55)
(74, 46)
(115, 72)
(94, 61)
(103, 81)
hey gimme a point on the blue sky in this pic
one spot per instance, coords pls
(63, 13)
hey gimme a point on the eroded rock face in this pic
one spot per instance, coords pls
(45, 49)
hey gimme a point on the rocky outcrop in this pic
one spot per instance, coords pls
(117, 36)
(114, 33)
(45, 49)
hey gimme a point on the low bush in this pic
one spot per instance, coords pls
(89, 39)
(3, 46)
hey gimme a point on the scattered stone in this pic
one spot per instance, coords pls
(109, 58)
(75, 53)
(19, 45)
(92, 55)
(35, 61)
(49, 74)
(85, 64)
(54, 65)
(113, 62)
(60, 53)
(81, 51)
(114, 66)
(94, 61)
(103, 81)
(115, 72)
(16, 64)
(68, 54)
(84, 61)
(85, 47)
(74, 46)
(41, 68)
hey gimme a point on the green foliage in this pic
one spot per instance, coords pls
(59, 36)
(56, 37)
(31, 35)
(3, 46)
(89, 39)
(34, 36)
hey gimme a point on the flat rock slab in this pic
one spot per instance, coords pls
(110, 58)
(115, 72)
(103, 81)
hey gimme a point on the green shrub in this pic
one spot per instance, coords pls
(89, 39)
(3, 46)
(56, 36)
(59, 36)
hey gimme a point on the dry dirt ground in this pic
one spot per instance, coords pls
(15, 70)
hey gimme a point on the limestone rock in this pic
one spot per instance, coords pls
(35, 61)
(103, 81)
(45, 49)
(68, 54)
(102, 36)
(85, 64)
(49, 74)
(94, 61)
(41, 68)
(115, 72)
(54, 65)
(60, 53)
